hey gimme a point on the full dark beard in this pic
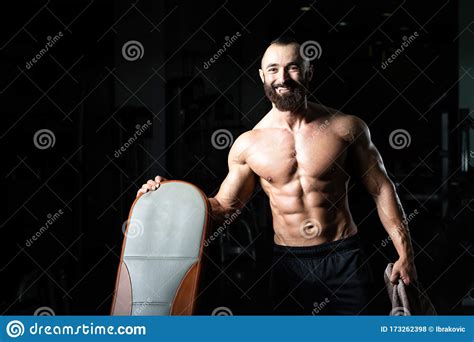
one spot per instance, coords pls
(293, 101)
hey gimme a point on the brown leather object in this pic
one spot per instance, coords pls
(121, 305)
(186, 293)
(161, 259)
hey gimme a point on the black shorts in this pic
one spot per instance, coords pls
(333, 278)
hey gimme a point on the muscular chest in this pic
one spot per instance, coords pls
(282, 156)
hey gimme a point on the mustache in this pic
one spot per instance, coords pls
(286, 84)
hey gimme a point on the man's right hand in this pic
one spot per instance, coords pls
(151, 185)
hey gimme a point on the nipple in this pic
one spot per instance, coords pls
(269, 179)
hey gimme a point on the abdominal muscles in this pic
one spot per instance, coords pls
(307, 211)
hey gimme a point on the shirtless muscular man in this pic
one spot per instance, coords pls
(304, 155)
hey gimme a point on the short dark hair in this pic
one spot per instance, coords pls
(284, 40)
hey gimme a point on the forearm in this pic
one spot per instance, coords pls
(394, 221)
(220, 211)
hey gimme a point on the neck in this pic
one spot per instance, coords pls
(292, 119)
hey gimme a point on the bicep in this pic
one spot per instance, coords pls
(367, 162)
(237, 187)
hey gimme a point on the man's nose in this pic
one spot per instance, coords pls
(282, 76)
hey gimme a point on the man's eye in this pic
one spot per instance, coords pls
(272, 70)
(294, 68)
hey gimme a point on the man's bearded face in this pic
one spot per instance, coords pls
(287, 96)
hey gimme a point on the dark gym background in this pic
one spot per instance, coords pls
(92, 98)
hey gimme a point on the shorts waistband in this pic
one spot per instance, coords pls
(351, 242)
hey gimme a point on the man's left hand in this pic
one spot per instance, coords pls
(403, 269)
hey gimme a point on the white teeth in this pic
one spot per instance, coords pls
(282, 89)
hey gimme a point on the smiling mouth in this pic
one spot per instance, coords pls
(282, 90)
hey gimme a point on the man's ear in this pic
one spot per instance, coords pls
(262, 77)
